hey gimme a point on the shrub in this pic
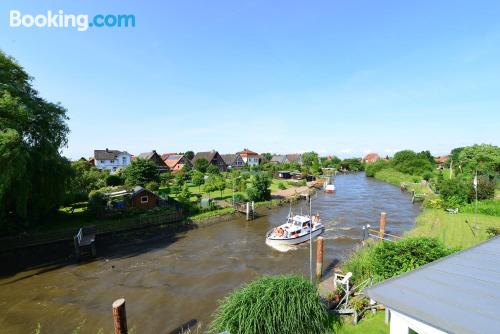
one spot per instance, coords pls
(454, 192)
(114, 180)
(272, 304)
(373, 168)
(433, 202)
(485, 189)
(393, 258)
(427, 176)
(281, 185)
(153, 186)
(258, 190)
(97, 203)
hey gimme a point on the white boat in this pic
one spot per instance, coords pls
(296, 230)
(328, 186)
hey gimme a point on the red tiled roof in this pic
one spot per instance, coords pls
(246, 152)
(371, 157)
(442, 159)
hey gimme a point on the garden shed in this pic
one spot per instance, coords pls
(459, 293)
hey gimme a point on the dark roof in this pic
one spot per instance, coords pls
(456, 294)
(138, 189)
(107, 154)
(229, 159)
(209, 156)
(147, 155)
(278, 158)
(293, 157)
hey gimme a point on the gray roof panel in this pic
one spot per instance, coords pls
(457, 294)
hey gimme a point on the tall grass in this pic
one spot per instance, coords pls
(272, 305)
(489, 207)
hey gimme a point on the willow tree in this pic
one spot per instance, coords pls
(32, 132)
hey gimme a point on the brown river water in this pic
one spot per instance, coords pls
(178, 280)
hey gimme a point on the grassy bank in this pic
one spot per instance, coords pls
(396, 178)
(455, 230)
(373, 324)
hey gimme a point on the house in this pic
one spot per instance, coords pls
(459, 293)
(441, 161)
(143, 199)
(294, 158)
(213, 157)
(156, 158)
(249, 157)
(370, 158)
(176, 162)
(233, 160)
(279, 159)
(111, 159)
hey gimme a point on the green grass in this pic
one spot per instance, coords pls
(487, 207)
(453, 229)
(394, 177)
(213, 213)
(371, 323)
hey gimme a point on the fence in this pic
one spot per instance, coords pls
(66, 234)
(379, 234)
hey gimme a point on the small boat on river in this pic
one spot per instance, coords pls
(296, 230)
(328, 186)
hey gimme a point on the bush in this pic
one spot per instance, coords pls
(281, 185)
(272, 304)
(258, 190)
(393, 258)
(485, 189)
(153, 186)
(427, 176)
(454, 192)
(97, 203)
(114, 180)
(433, 202)
(373, 168)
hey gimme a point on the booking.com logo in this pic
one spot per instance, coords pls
(59, 19)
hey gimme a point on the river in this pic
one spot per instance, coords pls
(174, 281)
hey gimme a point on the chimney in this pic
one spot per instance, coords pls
(107, 150)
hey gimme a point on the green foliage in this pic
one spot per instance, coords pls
(165, 178)
(272, 305)
(383, 260)
(97, 203)
(185, 195)
(281, 185)
(454, 192)
(214, 183)
(258, 188)
(353, 164)
(412, 163)
(152, 185)
(427, 176)
(483, 158)
(393, 258)
(486, 207)
(309, 158)
(485, 189)
(114, 180)
(213, 170)
(201, 165)
(372, 168)
(433, 202)
(140, 172)
(197, 178)
(33, 175)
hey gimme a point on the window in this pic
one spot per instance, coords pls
(124, 160)
(144, 199)
(102, 161)
(112, 161)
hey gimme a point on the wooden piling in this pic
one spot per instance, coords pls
(382, 225)
(248, 210)
(120, 316)
(319, 258)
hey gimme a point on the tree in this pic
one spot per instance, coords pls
(165, 178)
(214, 183)
(189, 155)
(309, 158)
(201, 165)
(185, 195)
(267, 156)
(258, 189)
(213, 170)
(114, 180)
(483, 158)
(33, 175)
(198, 179)
(140, 172)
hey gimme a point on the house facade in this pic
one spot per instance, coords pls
(249, 157)
(156, 158)
(233, 160)
(370, 158)
(111, 159)
(143, 199)
(176, 162)
(213, 158)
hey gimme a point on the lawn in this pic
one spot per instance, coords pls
(373, 324)
(394, 177)
(455, 230)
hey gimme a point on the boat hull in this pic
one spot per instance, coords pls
(295, 241)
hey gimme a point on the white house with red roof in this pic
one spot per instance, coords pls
(251, 158)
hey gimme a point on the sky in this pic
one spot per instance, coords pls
(337, 77)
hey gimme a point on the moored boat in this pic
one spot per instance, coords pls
(328, 186)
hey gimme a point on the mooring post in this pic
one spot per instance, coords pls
(248, 210)
(382, 225)
(319, 258)
(120, 316)
(253, 210)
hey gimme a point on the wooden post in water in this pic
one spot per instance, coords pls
(319, 258)
(382, 225)
(120, 316)
(248, 210)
